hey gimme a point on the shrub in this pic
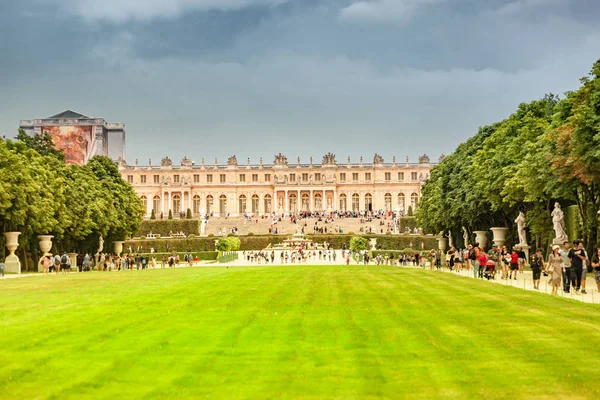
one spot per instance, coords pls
(153, 215)
(250, 233)
(358, 243)
(170, 215)
(410, 211)
(188, 214)
(191, 236)
(163, 227)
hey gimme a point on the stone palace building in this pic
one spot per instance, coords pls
(235, 189)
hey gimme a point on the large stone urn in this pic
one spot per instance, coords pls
(481, 238)
(12, 264)
(499, 235)
(45, 243)
(373, 243)
(442, 244)
(119, 247)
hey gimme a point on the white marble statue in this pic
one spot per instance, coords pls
(520, 221)
(465, 236)
(100, 244)
(558, 220)
(450, 242)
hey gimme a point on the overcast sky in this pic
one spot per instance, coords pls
(213, 78)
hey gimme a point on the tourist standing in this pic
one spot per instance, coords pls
(555, 268)
(46, 264)
(567, 272)
(514, 264)
(596, 267)
(86, 262)
(577, 256)
(537, 262)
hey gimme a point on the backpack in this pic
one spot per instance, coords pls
(64, 259)
(472, 254)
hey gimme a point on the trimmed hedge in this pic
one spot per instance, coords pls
(398, 253)
(202, 255)
(164, 226)
(256, 242)
(410, 222)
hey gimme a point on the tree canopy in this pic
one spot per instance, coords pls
(546, 151)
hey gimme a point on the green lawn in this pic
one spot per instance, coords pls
(291, 332)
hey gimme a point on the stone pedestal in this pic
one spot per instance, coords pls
(481, 238)
(525, 249)
(118, 247)
(73, 257)
(499, 235)
(442, 244)
(12, 264)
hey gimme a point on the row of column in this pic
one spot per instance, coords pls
(378, 201)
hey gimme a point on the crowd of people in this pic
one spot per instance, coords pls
(566, 265)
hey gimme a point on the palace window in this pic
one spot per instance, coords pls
(196, 205)
(129, 178)
(175, 178)
(242, 204)
(176, 204)
(343, 177)
(223, 205)
(388, 176)
(209, 178)
(143, 179)
(413, 176)
(368, 176)
(156, 205)
(254, 177)
(255, 204)
(292, 177)
(242, 177)
(368, 202)
(209, 204)
(304, 177)
(355, 176)
(401, 202)
(414, 201)
(343, 202)
(400, 176)
(388, 201)
(355, 202)
(222, 178)
(196, 178)
(268, 203)
(267, 177)
(156, 178)
(144, 203)
(318, 177)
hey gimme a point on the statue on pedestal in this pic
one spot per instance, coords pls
(450, 242)
(558, 220)
(520, 221)
(465, 236)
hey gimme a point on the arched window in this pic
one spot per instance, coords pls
(210, 204)
(305, 201)
(176, 204)
(368, 202)
(255, 204)
(318, 202)
(156, 204)
(223, 205)
(414, 201)
(268, 204)
(293, 203)
(388, 201)
(144, 203)
(355, 202)
(242, 204)
(196, 205)
(343, 202)
(401, 201)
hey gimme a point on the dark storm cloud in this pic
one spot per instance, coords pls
(207, 78)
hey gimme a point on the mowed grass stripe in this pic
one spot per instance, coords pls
(289, 332)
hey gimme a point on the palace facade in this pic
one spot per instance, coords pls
(280, 187)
